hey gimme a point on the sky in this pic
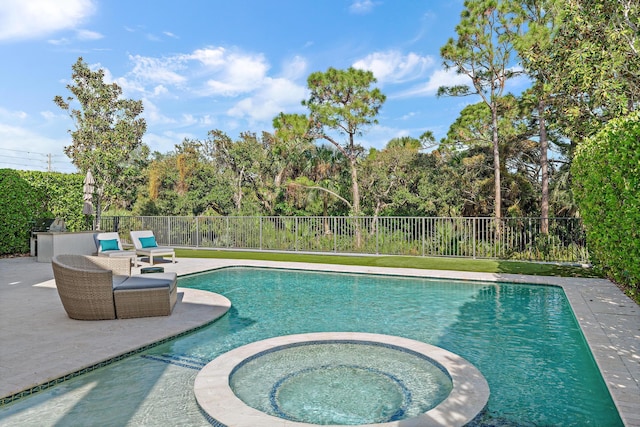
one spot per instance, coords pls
(200, 65)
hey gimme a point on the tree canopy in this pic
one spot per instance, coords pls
(107, 138)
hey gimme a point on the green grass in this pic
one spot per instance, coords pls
(458, 264)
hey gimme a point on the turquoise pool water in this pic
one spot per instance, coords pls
(524, 339)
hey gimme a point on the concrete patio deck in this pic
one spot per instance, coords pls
(40, 343)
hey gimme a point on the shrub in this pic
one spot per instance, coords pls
(29, 195)
(606, 170)
(20, 203)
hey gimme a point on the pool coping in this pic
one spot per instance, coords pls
(466, 400)
(609, 320)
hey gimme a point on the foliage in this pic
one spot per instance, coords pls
(31, 195)
(20, 206)
(594, 64)
(482, 52)
(606, 172)
(108, 133)
(342, 101)
(61, 196)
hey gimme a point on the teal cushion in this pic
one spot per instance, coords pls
(109, 245)
(148, 242)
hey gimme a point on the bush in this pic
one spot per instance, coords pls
(20, 203)
(606, 170)
(61, 196)
(29, 195)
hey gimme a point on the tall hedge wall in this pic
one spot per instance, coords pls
(606, 171)
(28, 195)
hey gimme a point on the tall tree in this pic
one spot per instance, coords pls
(108, 131)
(343, 101)
(534, 47)
(482, 52)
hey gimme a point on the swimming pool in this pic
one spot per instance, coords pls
(524, 339)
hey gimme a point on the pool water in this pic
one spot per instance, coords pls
(341, 383)
(524, 339)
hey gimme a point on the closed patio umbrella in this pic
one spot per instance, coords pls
(88, 190)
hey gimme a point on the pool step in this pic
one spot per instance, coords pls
(184, 361)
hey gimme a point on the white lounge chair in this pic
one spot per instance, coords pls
(109, 245)
(146, 245)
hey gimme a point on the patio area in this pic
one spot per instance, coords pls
(40, 343)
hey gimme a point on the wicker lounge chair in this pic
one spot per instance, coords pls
(109, 245)
(146, 245)
(97, 288)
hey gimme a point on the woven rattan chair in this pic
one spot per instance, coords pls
(99, 288)
(85, 284)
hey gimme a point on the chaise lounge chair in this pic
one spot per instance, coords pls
(109, 245)
(97, 288)
(146, 245)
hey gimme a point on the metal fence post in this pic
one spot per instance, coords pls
(473, 238)
(260, 233)
(335, 235)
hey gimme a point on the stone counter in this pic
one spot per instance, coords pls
(52, 243)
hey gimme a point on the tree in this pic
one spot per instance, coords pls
(594, 64)
(471, 137)
(534, 46)
(342, 101)
(107, 131)
(483, 53)
(242, 162)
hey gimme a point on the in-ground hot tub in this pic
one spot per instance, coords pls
(341, 379)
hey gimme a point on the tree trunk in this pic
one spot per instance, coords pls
(544, 169)
(355, 190)
(496, 164)
(98, 219)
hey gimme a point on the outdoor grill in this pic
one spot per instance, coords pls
(38, 225)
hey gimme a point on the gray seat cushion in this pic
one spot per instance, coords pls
(146, 281)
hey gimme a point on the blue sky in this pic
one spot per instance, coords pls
(217, 64)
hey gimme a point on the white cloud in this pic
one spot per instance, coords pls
(157, 70)
(233, 73)
(59, 42)
(22, 19)
(277, 95)
(361, 6)
(394, 67)
(294, 68)
(438, 78)
(88, 35)
(153, 115)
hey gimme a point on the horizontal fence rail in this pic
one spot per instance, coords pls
(507, 238)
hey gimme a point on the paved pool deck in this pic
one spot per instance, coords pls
(39, 343)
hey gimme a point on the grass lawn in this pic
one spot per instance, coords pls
(432, 263)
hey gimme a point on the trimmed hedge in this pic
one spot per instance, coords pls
(606, 171)
(29, 195)
(19, 204)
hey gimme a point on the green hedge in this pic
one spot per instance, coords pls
(29, 195)
(19, 204)
(606, 171)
